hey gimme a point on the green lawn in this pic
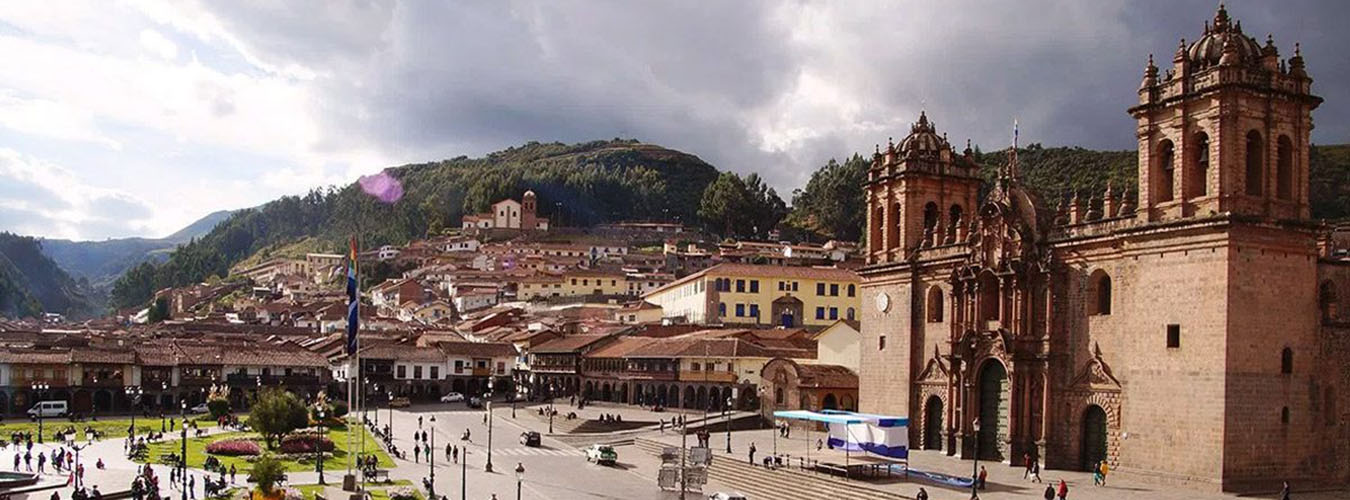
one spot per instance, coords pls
(333, 462)
(110, 427)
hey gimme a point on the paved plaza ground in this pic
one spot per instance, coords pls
(559, 470)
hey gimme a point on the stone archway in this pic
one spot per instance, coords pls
(690, 397)
(103, 401)
(786, 312)
(606, 393)
(672, 395)
(993, 411)
(829, 403)
(932, 423)
(1094, 433)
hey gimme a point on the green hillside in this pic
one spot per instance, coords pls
(30, 283)
(577, 184)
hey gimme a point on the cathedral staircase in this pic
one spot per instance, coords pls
(785, 484)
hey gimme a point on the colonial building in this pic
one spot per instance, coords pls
(509, 214)
(748, 294)
(1192, 337)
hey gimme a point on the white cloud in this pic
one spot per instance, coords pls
(158, 45)
(58, 203)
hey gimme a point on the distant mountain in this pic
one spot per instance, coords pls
(30, 283)
(577, 185)
(102, 262)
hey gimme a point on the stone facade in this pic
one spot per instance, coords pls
(1195, 339)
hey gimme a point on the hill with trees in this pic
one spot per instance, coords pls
(576, 184)
(31, 283)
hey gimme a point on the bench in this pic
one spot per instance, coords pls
(377, 475)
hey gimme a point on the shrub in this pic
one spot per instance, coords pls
(234, 447)
(401, 493)
(267, 472)
(306, 443)
(218, 407)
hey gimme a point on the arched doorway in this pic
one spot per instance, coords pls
(932, 424)
(606, 394)
(702, 397)
(1094, 437)
(993, 411)
(623, 392)
(689, 397)
(639, 397)
(829, 403)
(590, 390)
(672, 396)
(103, 401)
(786, 311)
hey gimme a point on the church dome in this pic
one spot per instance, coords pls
(1208, 50)
(923, 139)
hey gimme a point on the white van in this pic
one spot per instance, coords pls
(46, 409)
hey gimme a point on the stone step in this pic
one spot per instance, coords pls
(738, 473)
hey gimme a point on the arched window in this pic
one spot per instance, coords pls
(1200, 166)
(1166, 170)
(778, 396)
(1284, 169)
(1287, 361)
(878, 221)
(1254, 162)
(1327, 301)
(851, 314)
(934, 304)
(1100, 284)
(897, 224)
(930, 215)
(990, 297)
(852, 290)
(954, 215)
(1284, 415)
(722, 309)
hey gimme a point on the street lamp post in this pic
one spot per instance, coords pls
(550, 407)
(488, 404)
(520, 477)
(134, 393)
(975, 469)
(431, 460)
(464, 475)
(728, 421)
(318, 451)
(163, 387)
(40, 388)
(182, 460)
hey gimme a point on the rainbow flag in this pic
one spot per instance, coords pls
(353, 300)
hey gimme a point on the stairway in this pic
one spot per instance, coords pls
(784, 484)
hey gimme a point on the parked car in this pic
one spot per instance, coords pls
(727, 496)
(602, 454)
(474, 402)
(48, 409)
(529, 438)
(453, 397)
(400, 403)
(201, 408)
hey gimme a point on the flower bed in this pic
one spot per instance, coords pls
(305, 443)
(401, 493)
(234, 448)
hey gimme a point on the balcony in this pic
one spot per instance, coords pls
(197, 379)
(244, 379)
(707, 376)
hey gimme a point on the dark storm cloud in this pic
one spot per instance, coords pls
(730, 81)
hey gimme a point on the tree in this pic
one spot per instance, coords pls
(276, 413)
(267, 472)
(738, 207)
(832, 204)
(159, 311)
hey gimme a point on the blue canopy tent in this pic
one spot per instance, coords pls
(882, 435)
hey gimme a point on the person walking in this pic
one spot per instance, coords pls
(1026, 461)
(923, 494)
(455, 452)
(1097, 479)
(1036, 472)
(419, 421)
(192, 486)
(1105, 470)
(1063, 490)
(984, 474)
(1049, 492)
(232, 473)
(1284, 492)
(42, 463)
(28, 461)
(752, 453)
(447, 451)
(415, 455)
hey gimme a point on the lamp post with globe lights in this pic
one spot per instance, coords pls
(488, 404)
(975, 472)
(40, 389)
(133, 392)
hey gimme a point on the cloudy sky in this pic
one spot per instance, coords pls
(136, 117)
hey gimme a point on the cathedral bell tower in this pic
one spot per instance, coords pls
(1225, 129)
(919, 194)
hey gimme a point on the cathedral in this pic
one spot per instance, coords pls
(1185, 334)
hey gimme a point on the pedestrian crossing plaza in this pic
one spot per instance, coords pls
(538, 452)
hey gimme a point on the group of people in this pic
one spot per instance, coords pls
(611, 418)
(61, 460)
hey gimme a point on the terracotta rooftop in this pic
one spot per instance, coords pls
(568, 344)
(478, 349)
(827, 376)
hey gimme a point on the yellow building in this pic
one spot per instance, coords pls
(761, 295)
(591, 282)
(539, 286)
